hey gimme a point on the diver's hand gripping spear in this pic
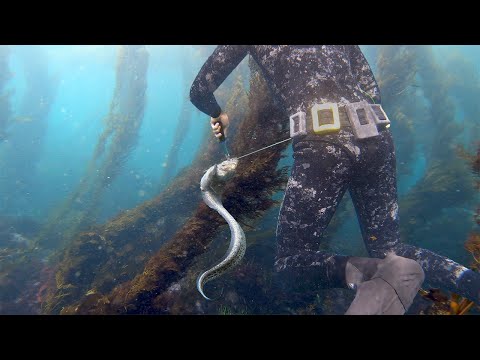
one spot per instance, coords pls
(218, 125)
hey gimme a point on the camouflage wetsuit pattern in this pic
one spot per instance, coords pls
(328, 165)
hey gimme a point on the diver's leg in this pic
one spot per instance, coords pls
(319, 178)
(375, 199)
(442, 272)
(374, 193)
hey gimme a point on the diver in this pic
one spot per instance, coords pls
(341, 141)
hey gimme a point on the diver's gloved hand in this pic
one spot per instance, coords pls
(220, 125)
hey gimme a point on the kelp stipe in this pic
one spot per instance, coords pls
(27, 129)
(115, 143)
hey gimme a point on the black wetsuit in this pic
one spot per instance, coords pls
(326, 166)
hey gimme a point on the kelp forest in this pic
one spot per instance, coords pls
(102, 152)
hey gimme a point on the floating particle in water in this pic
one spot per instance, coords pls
(137, 176)
(141, 193)
(164, 164)
(77, 274)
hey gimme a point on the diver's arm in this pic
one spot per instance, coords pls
(218, 66)
(363, 74)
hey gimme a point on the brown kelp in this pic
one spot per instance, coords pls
(246, 196)
(472, 244)
(183, 123)
(474, 162)
(464, 85)
(396, 75)
(26, 134)
(22, 267)
(436, 302)
(108, 251)
(116, 142)
(454, 304)
(445, 183)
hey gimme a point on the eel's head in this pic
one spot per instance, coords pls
(218, 174)
(226, 169)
